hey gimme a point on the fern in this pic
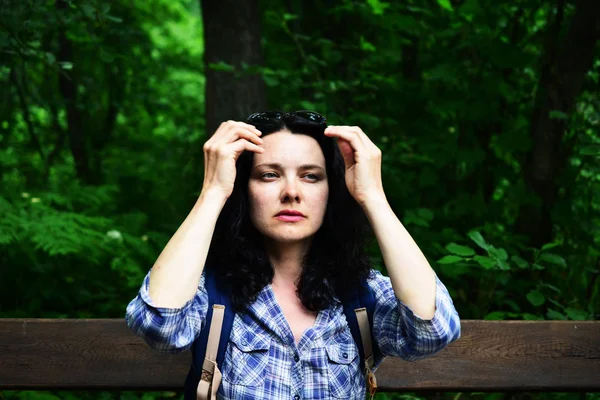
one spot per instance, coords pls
(10, 224)
(62, 233)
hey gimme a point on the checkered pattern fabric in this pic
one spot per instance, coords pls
(263, 361)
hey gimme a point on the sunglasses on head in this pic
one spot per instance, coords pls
(267, 116)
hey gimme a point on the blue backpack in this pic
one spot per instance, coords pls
(218, 295)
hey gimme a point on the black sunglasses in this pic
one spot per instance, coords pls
(267, 116)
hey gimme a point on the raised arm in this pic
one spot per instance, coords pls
(414, 316)
(175, 275)
(170, 308)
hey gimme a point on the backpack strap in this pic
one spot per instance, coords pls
(211, 375)
(359, 309)
(208, 350)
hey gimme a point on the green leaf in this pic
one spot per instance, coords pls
(377, 6)
(88, 10)
(366, 46)
(485, 261)
(478, 239)
(500, 254)
(590, 150)
(554, 259)
(445, 4)
(113, 19)
(553, 314)
(270, 80)
(503, 265)
(50, 57)
(308, 105)
(460, 250)
(577, 315)
(289, 17)
(221, 66)
(495, 315)
(555, 114)
(512, 304)
(551, 287)
(549, 246)
(536, 298)
(449, 259)
(425, 213)
(520, 262)
(531, 317)
(66, 65)
(412, 217)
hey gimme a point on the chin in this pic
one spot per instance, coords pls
(288, 235)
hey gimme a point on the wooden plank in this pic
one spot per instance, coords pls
(507, 355)
(490, 356)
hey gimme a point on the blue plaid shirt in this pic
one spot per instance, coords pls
(262, 360)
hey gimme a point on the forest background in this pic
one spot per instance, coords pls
(487, 114)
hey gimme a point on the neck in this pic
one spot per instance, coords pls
(286, 259)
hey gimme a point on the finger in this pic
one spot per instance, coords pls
(243, 133)
(236, 132)
(347, 153)
(364, 139)
(240, 145)
(231, 123)
(350, 135)
(352, 129)
(247, 126)
(227, 127)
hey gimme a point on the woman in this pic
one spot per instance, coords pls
(284, 204)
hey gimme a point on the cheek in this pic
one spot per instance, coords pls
(320, 198)
(258, 202)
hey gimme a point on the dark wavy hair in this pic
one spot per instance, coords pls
(336, 262)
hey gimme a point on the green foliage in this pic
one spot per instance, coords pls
(446, 90)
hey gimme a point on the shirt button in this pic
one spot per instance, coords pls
(296, 358)
(297, 397)
(345, 355)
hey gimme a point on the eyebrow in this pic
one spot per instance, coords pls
(280, 167)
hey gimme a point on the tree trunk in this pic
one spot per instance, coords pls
(232, 35)
(68, 90)
(561, 83)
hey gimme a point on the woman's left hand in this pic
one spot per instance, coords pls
(362, 159)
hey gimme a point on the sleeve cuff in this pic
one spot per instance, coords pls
(442, 328)
(144, 295)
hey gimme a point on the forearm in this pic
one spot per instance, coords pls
(412, 278)
(176, 273)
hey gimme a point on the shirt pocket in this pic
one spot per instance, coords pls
(247, 357)
(343, 368)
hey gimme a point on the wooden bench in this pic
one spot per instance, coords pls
(82, 354)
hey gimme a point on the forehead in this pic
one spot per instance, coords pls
(290, 149)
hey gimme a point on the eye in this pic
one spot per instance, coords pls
(269, 175)
(312, 177)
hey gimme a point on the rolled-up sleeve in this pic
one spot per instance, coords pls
(401, 333)
(169, 330)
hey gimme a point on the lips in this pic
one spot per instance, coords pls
(293, 213)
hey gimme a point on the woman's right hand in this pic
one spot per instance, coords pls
(221, 152)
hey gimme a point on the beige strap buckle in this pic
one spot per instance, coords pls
(365, 335)
(371, 383)
(210, 380)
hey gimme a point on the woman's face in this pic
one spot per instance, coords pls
(289, 175)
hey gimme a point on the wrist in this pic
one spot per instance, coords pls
(212, 196)
(374, 201)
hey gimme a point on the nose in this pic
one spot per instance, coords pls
(290, 192)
